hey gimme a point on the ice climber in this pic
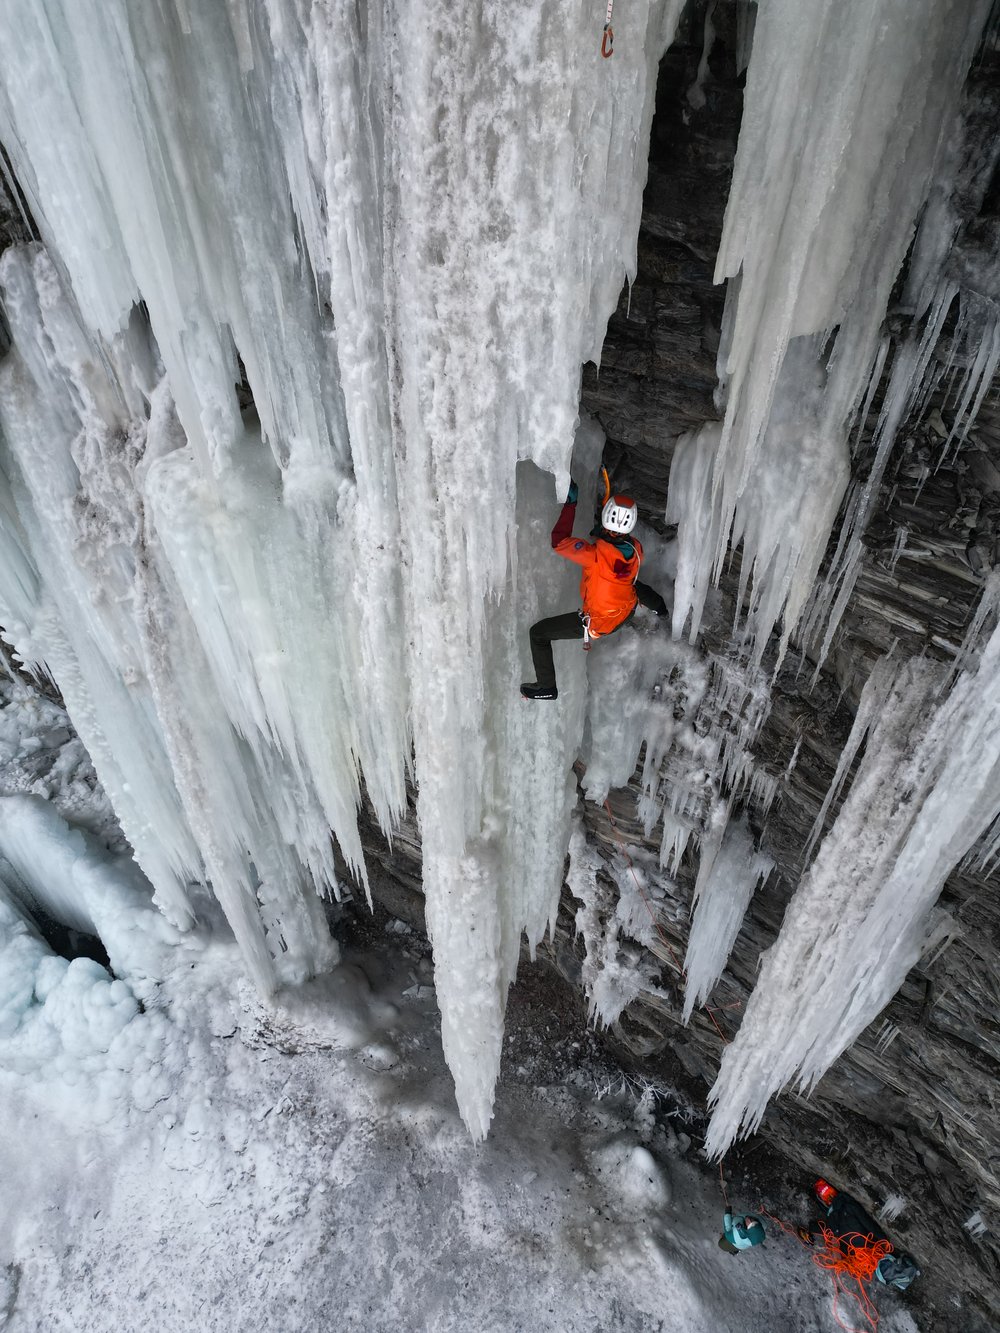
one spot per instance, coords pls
(742, 1234)
(609, 587)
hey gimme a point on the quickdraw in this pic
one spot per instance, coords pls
(608, 39)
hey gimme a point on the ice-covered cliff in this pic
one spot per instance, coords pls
(293, 382)
(300, 341)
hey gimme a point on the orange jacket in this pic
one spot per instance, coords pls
(607, 584)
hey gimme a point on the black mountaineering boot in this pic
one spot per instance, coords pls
(530, 691)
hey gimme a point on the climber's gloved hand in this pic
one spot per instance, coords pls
(573, 494)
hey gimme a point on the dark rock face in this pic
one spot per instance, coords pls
(657, 375)
(912, 1108)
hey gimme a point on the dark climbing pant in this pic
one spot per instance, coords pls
(543, 633)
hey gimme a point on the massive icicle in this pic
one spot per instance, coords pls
(402, 229)
(846, 113)
(946, 273)
(928, 786)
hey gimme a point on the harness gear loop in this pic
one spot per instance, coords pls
(608, 40)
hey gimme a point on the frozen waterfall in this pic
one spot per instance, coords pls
(847, 116)
(827, 196)
(301, 342)
(294, 379)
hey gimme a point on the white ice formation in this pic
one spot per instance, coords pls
(619, 906)
(400, 230)
(927, 787)
(294, 363)
(893, 1207)
(822, 210)
(976, 1225)
(96, 1042)
(824, 205)
(846, 119)
(726, 883)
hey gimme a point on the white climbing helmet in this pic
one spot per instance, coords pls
(620, 514)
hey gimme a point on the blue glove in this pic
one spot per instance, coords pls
(573, 494)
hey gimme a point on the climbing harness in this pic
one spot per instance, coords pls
(608, 41)
(591, 635)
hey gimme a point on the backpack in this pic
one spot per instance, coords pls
(897, 1270)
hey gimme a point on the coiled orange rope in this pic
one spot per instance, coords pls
(851, 1261)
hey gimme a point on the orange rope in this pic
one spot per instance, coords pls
(723, 1184)
(851, 1260)
(656, 925)
(786, 1227)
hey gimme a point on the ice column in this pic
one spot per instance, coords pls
(499, 138)
(400, 229)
